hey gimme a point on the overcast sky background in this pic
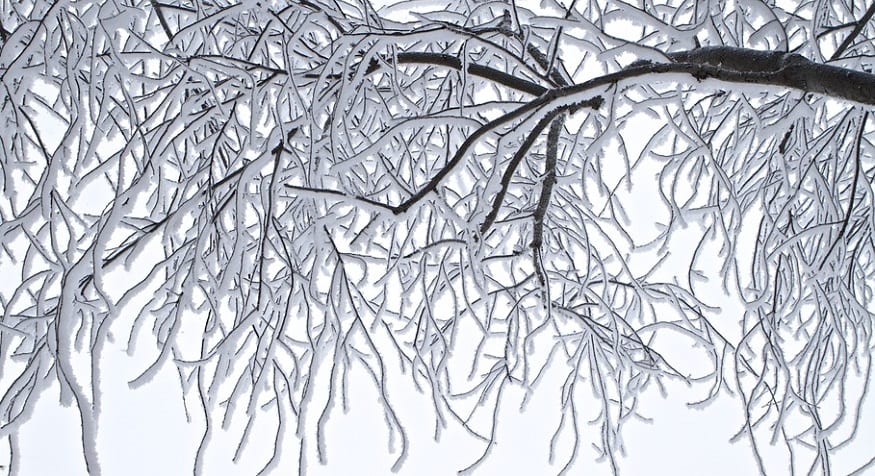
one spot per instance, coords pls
(144, 431)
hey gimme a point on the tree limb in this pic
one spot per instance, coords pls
(511, 169)
(543, 100)
(858, 27)
(546, 192)
(723, 63)
(742, 65)
(450, 61)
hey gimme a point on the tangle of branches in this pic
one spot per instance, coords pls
(282, 195)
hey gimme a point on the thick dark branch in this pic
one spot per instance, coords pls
(736, 59)
(450, 61)
(548, 181)
(552, 73)
(723, 63)
(544, 100)
(854, 33)
(546, 192)
(768, 68)
(511, 169)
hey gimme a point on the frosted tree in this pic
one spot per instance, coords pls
(283, 197)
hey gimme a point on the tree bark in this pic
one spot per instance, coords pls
(741, 65)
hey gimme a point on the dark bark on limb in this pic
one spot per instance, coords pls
(741, 65)
(450, 61)
(723, 63)
(737, 59)
(532, 106)
(511, 169)
(858, 27)
(555, 74)
(546, 192)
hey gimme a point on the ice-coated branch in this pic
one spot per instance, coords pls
(734, 65)
(453, 62)
(511, 169)
(858, 27)
(383, 244)
(769, 68)
(547, 183)
(542, 101)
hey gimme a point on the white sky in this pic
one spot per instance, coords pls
(144, 431)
